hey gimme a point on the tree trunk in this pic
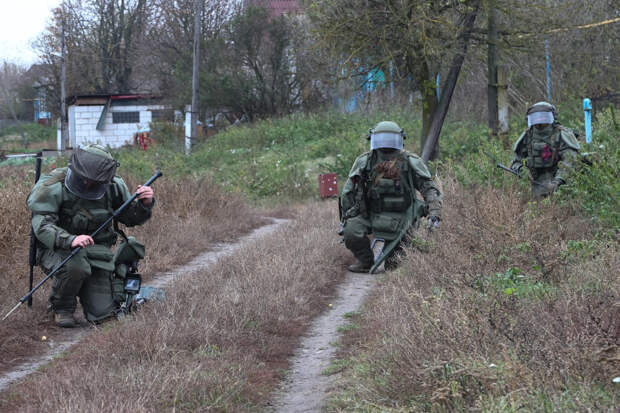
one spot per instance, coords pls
(429, 102)
(429, 105)
(446, 94)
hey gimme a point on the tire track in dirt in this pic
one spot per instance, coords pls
(305, 387)
(70, 337)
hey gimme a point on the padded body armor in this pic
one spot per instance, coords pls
(544, 151)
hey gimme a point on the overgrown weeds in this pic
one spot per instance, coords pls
(219, 342)
(511, 306)
(189, 216)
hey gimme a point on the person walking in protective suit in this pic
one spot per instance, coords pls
(546, 148)
(69, 203)
(380, 191)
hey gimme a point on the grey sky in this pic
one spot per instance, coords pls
(21, 21)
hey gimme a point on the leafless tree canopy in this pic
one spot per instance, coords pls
(259, 65)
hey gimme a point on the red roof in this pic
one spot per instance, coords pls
(277, 7)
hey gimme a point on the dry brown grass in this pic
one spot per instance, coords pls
(188, 217)
(220, 340)
(435, 336)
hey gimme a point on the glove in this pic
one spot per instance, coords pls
(433, 223)
(517, 168)
(555, 184)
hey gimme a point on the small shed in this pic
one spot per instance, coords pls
(112, 120)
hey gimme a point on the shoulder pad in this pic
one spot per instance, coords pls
(418, 165)
(515, 147)
(117, 180)
(118, 188)
(46, 196)
(359, 165)
(569, 138)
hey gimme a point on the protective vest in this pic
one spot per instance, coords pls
(543, 152)
(388, 184)
(390, 195)
(77, 215)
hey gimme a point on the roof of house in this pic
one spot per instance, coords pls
(277, 7)
(102, 99)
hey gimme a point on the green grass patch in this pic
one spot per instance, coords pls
(336, 366)
(348, 327)
(513, 282)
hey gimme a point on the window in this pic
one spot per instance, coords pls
(162, 115)
(125, 117)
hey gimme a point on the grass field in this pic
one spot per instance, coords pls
(510, 306)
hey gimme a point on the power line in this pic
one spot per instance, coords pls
(567, 29)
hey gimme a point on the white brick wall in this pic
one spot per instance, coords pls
(85, 119)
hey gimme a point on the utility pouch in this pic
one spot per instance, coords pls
(539, 150)
(98, 217)
(118, 289)
(128, 252)
(394, 204)
(79, 223)
(384, 186)
(386, 226)
(100, 256)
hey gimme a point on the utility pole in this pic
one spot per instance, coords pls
(548, 70)
(64, 141)
(492, 69)
(195, 72)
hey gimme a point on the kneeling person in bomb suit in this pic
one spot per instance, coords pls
(69, 203)
(380, 192)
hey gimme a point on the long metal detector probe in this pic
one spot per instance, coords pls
(507, 169)
(77, 249)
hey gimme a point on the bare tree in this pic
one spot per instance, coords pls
(413, 37)
(9, 78)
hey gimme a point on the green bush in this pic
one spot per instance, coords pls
(283, 157)
(34, 133)
(595, 188)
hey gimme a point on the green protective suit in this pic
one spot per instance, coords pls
(58, 217)
(549, 155)
(378, 193)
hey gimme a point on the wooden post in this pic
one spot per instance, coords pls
(196, 69)
(64, 141)
(492, 92)
(502, 99)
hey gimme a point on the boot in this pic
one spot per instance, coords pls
(64, 319)
(360, 266)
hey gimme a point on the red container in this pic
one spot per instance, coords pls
(328, 185)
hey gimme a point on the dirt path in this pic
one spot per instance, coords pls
(70, 337)
(305, 387)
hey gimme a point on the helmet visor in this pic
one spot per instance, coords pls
(539, 118)
(83, 187)
(386, 140)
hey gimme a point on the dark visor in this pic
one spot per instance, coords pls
(84, 188)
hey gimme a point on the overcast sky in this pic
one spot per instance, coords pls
(21, 21)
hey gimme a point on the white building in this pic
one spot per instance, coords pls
(113, 120)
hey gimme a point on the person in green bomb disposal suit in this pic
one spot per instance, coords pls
(69, 203)
(546, 148)
(380, 191)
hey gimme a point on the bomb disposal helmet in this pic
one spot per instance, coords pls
(91, 169)
(386, 134)
(541, 113)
